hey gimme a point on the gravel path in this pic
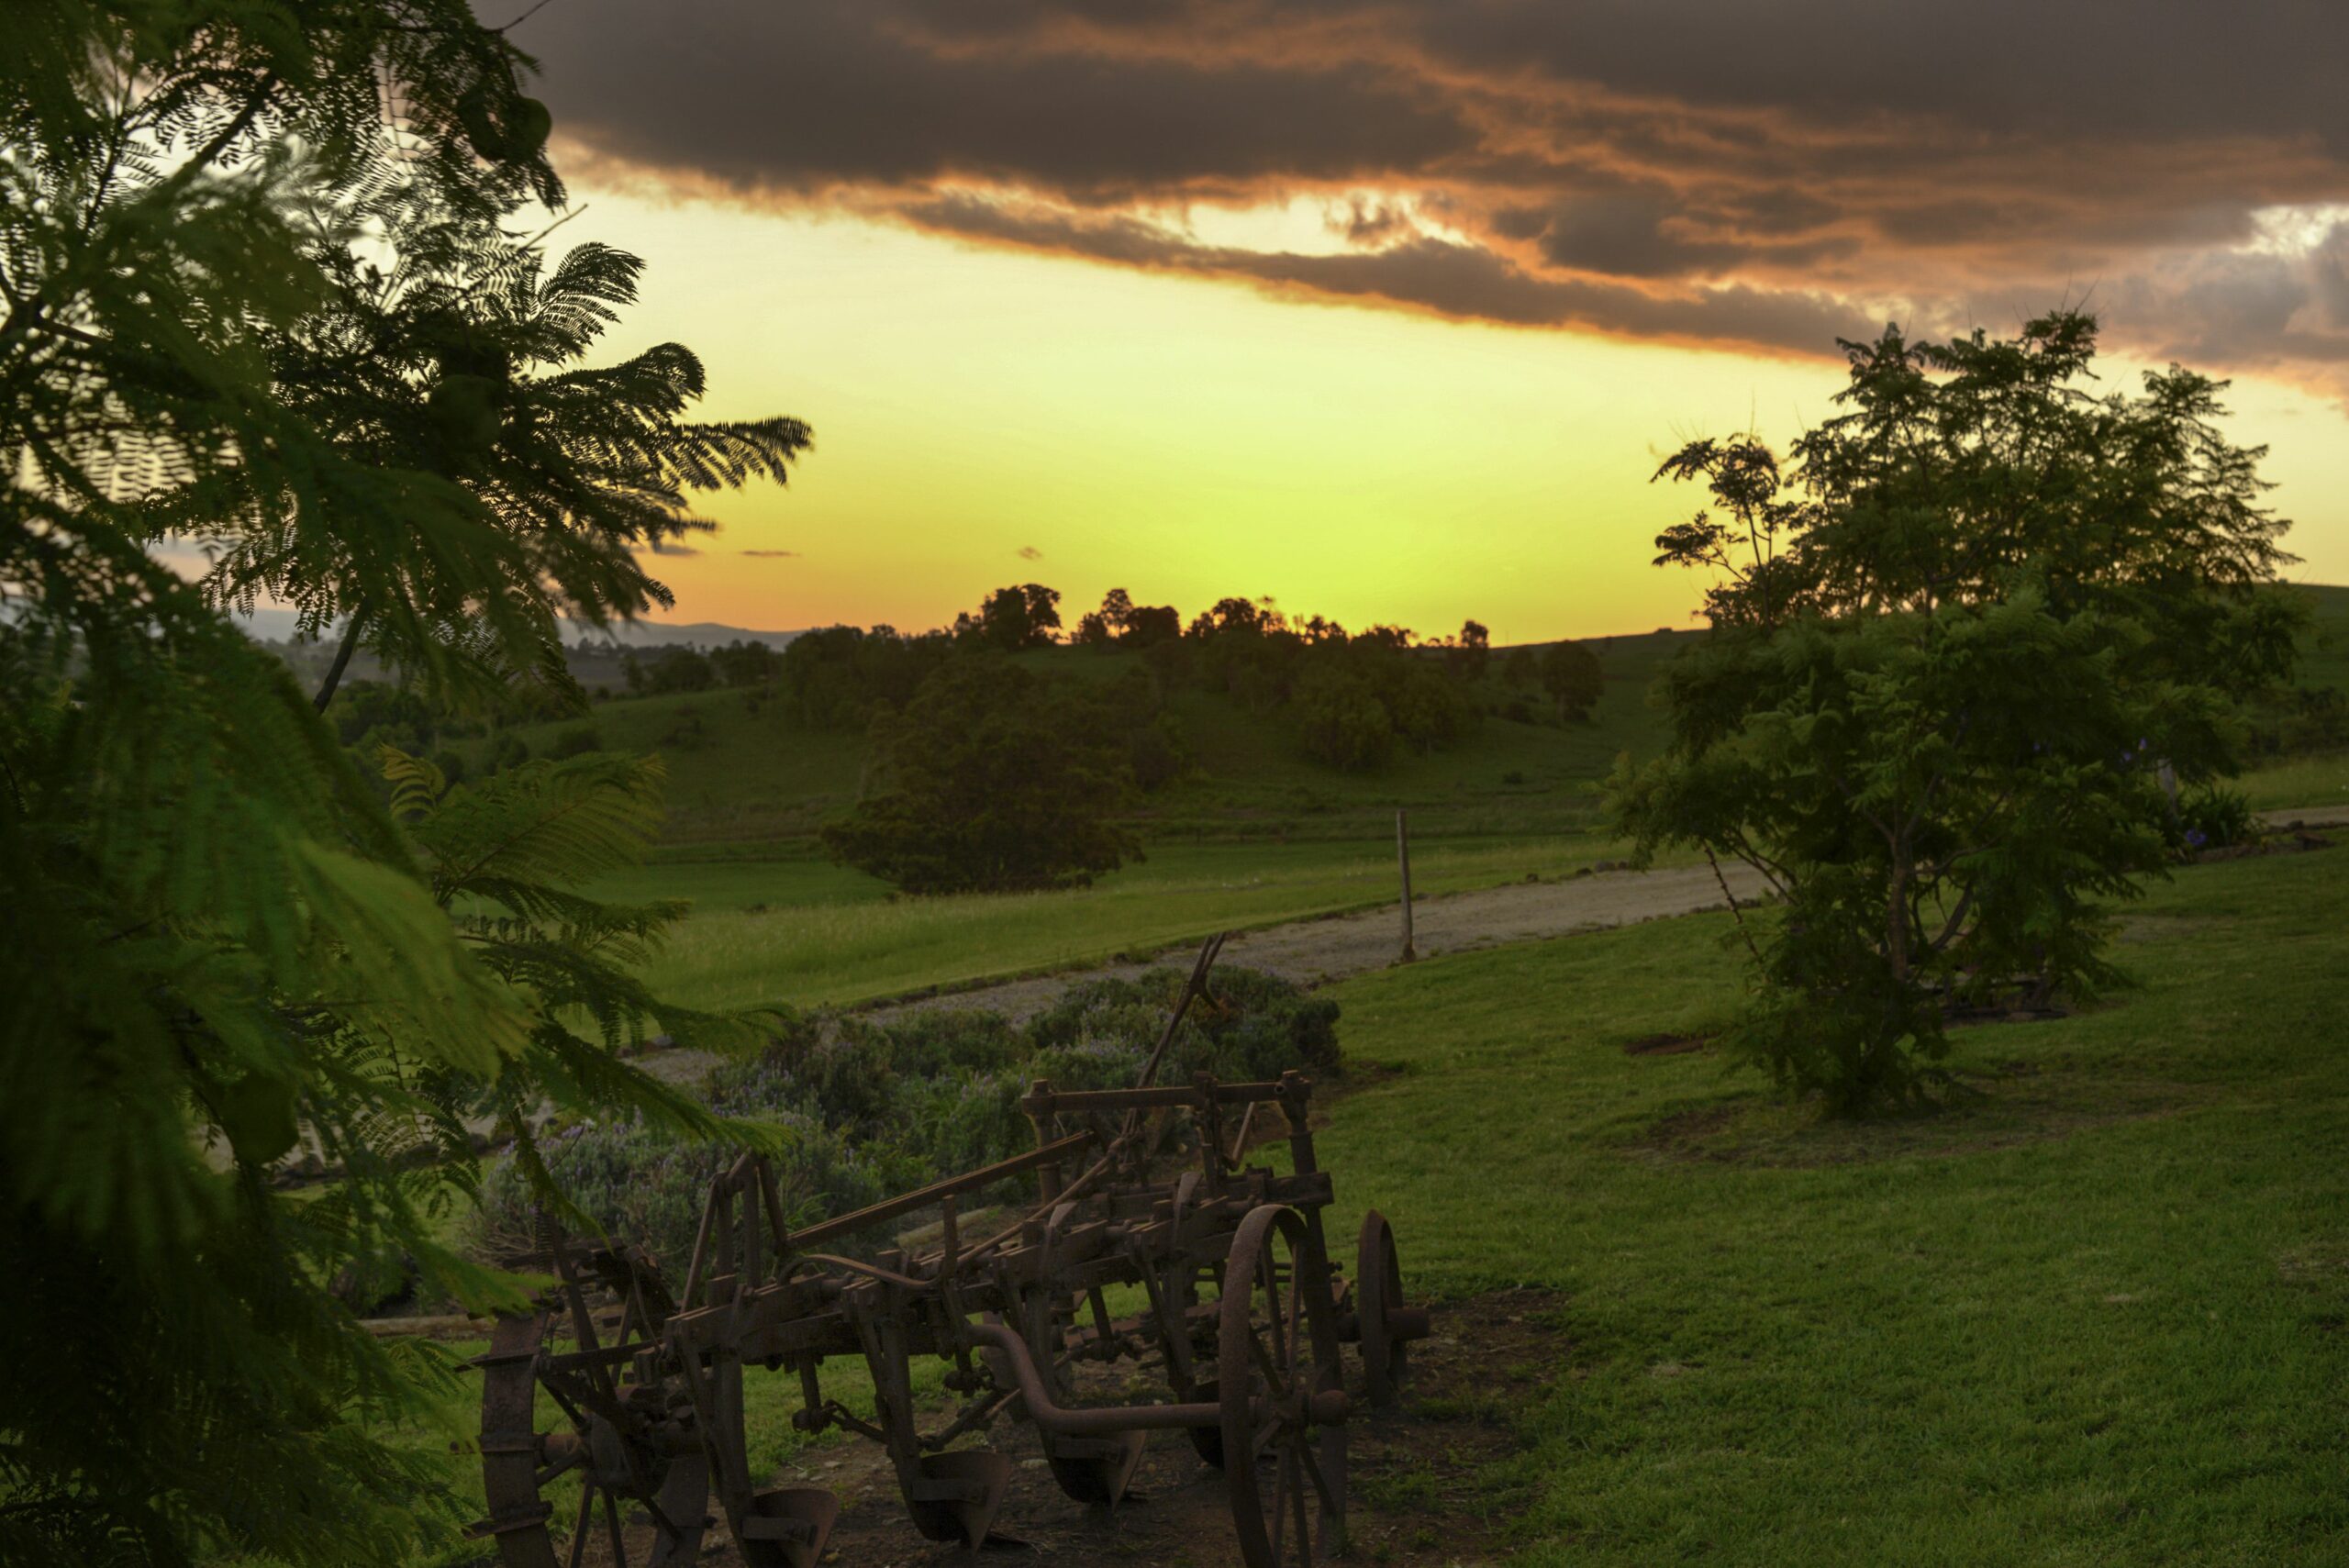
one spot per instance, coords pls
(1315, 951)
(1312, 952)
(1332, 947)
(2308, 817)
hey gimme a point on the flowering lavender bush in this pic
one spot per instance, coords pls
(871, 1108)
(645, 1186)
(2214, 819)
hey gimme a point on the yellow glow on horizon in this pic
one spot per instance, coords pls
(1187, 439)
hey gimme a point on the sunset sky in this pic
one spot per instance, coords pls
(1388, 310)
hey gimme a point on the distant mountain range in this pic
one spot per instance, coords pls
(277, 625)
(665, 634)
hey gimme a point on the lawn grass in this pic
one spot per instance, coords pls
(2100, 1316)
(2294, 782)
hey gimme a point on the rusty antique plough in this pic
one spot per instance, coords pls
(1225, 1292)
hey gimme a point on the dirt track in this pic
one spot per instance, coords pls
(1315, 951)
(1332, 948)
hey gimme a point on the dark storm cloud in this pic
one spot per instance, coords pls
(1436, 275)
(1706, 170)
(803, 98)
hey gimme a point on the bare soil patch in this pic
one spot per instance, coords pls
(1427, 1484)
(1665, 1045)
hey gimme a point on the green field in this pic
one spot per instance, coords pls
(1255, 836)
(828, 935)
(2096, 1318)
(2292, 781)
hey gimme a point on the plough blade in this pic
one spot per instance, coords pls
(958, 1495)
(786, 1527)
(1095, 1470)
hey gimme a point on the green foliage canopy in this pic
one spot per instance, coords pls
(1023, 616)
(995, 781)
(464, 362)
(1572, 676)
(220, 940)
(1943, 666)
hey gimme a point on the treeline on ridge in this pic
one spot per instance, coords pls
(1355, 698)
(989, 776)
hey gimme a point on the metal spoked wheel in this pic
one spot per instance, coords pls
(563, 1397)
(1378, 1303)
(1203, 1318)
(1283, 1441)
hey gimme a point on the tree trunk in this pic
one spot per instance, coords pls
(341, 663)
(1896, 914)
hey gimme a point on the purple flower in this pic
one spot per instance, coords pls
(2196, 837)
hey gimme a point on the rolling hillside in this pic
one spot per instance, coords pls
(741, 775)
(745, 783)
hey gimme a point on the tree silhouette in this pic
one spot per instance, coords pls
(1013, 618)
(1573, 677)
(462, 359)
(994, 782)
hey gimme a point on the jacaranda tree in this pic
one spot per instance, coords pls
(219, 942)
(1949, 650)
(461, 360)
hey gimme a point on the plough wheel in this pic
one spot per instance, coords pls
(631, 1452)
(1277, 1380)
(1386, 1325)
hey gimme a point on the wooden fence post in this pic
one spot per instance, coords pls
(1403, 859)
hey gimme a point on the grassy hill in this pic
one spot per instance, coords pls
(2092, 1311)
(745, 783)
(742, 780)
(1256, 834)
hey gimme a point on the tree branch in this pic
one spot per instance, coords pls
(227, 134)
(1735, 913)
(1956, 918)
(341, 661)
